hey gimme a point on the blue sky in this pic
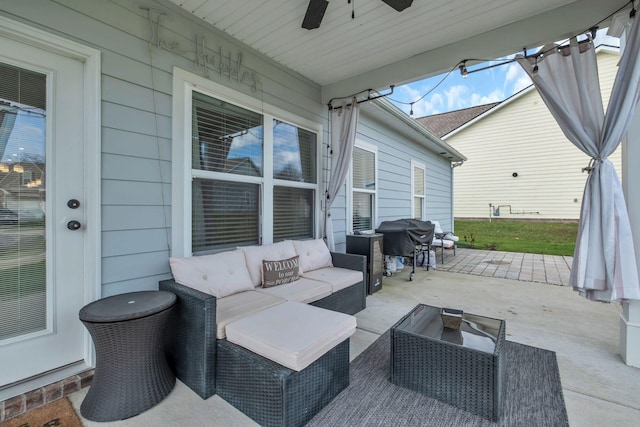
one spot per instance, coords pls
(483, 87)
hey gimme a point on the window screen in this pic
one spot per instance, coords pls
(364, 188)
(418, 192)
(226, 138)
(225, 214)
(294, 153)
(293, 213)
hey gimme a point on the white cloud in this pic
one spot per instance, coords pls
(455, 97)
(514, 71)
(437, 100)
(428, 106)
(515, 79)
(496, 95)
(523, 82)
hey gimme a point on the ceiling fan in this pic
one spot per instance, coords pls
(316, 9)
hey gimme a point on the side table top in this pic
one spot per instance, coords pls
(132, 305)
(476, 332)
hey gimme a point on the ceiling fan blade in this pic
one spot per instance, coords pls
(399, 5)
(315, 13)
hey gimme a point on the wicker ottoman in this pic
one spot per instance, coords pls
(463, 368)
(312, 342)
(132, 373)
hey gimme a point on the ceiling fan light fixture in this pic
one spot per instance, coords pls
(399, 5)
(315, 13)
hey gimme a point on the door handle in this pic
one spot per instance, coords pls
(73, 225)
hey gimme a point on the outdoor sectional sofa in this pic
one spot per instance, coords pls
(223, 293)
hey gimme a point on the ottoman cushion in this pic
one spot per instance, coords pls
(237, 306)
(291, 334)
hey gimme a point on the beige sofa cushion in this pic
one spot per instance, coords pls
(314, 254)
(292, 334)
(338, 278)
(219, 274)
(237, 306)
(302, 290)
(254, 255)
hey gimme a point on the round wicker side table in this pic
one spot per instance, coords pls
(132, 373)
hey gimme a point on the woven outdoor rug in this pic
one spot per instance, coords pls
(533, 395)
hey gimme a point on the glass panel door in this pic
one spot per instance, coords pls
(43, 253)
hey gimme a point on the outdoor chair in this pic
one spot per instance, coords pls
(443, 240)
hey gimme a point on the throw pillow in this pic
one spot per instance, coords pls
(276, 273)
(255, 254)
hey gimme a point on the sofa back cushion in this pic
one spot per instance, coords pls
(254, 255)
(314, 254)
(220, 274)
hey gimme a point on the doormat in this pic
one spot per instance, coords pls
(58, 413)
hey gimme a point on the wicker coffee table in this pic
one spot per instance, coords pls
(463, 368)
(132, 373)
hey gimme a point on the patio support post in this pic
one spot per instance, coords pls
(630, 316)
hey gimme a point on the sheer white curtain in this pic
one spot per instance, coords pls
(344, 122)
(604, 266)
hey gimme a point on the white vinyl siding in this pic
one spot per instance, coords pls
(522, 137)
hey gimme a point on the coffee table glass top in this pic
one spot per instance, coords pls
(476, 332)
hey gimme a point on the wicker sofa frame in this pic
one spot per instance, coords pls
(190, 340)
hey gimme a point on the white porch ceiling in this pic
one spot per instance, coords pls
(381, 46)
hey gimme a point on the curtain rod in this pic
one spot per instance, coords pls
(367, 99)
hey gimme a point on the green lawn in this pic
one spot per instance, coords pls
(529, 237)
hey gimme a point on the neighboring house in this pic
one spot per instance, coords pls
(520, 165)
(166, 137)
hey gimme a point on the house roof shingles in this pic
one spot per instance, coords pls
(445, 123)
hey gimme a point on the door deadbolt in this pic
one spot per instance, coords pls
(73, 204)
(73, 225)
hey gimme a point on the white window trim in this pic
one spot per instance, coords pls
(184, 83)
(349, 219)
(416, 164)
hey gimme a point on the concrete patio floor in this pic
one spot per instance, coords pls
(526, 290)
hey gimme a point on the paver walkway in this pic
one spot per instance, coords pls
(553, 269)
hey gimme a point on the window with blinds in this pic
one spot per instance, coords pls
(418, 192)
(294, 153)
(294, 161)
(225, 214)
(364, 189)
(23, 280)
(226, 138)
(228, 146)
(293, 213)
